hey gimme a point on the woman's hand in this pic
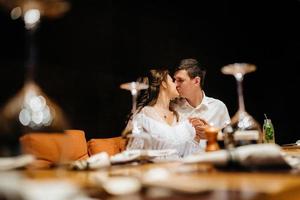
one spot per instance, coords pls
(199, 125)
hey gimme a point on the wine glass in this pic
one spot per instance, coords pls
(134, 88)
(30, 109)
(247, 128)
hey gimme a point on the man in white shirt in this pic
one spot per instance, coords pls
(201, 110)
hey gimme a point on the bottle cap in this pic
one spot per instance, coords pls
(267, 121)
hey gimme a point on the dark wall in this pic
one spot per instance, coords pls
(85, 56)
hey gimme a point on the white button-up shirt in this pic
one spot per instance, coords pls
(213, 111)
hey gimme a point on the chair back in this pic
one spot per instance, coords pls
(54, 148)
(110, 145)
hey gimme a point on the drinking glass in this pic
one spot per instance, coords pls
(134, 88)
(246, 127)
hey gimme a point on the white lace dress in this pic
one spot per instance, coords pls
(150, 131)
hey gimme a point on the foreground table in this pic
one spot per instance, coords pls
(194, 181)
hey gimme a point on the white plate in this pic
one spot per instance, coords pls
(8, 163)
(132, 155)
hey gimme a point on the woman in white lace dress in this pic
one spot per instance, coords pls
(155, 125)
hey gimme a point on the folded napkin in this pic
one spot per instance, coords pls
(102, 159)
(9, 163)
(96, 161)
(249, 156)
(141, 154)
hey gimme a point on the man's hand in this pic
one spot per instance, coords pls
(199, 125)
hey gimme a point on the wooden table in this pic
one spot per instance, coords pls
(208, 182)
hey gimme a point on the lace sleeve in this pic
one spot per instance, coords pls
(190, 146)
(143, 130)
(140, 138)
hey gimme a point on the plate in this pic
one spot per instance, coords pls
(136, 155)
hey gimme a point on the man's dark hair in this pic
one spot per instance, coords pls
(193, 69)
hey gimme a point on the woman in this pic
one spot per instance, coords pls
(155, 125)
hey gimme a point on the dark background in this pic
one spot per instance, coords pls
(85, 55)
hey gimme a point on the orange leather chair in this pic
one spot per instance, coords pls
(54, 148)
(110, 145)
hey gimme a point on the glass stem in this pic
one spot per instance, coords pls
(31, 62)
(239, 79)
(134, 97)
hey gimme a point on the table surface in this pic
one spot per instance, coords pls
(193, 181)
(184, 181)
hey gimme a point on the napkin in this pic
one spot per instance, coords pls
(141, 154)
(9, 163)
(248, 156)
(102, 159)
(96, 161)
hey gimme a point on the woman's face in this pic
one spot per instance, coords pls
(171, 88)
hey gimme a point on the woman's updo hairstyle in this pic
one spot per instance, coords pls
(149, 96)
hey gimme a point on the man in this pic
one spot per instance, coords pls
(201, 110)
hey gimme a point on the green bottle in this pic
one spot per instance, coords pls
(268, 132)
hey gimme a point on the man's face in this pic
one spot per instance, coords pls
(184, 84)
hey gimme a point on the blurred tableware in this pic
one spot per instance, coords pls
(134, 88)
(173, 182)
(51, 190)
(9, 163)
(121, 185)
(140, 155)
(96, 161)
(296, 144)
(242, 121)
(249, 156)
